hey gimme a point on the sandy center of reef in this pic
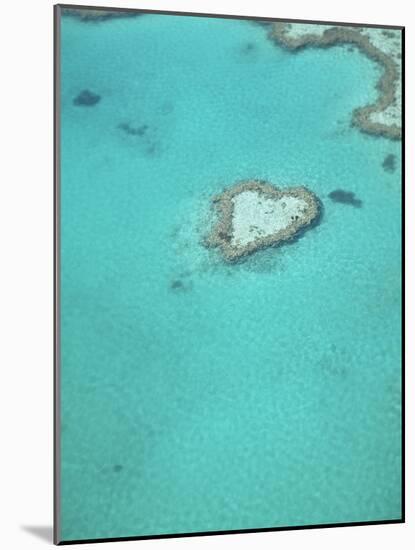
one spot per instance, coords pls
(256, 216)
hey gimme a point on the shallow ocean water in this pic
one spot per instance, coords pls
(198, 395)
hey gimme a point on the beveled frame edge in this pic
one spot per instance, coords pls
(227, 16)
(56, 278)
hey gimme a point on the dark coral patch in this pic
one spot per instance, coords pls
(178, 285)
(248, 48)
(117, 468)
(389, 163)
(86, 98)
(153, 150)
(345, 197)
(131, 130)
(90, 15)
(265, 24)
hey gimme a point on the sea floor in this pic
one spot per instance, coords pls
(199, 395)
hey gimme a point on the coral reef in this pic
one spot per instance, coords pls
(89, 15)
(345, 197)
(131, 130)
(384, 116)
(254, 214)
(389, 163)
(180, 285)
(86, 99)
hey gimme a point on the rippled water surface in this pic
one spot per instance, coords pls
(199, 395)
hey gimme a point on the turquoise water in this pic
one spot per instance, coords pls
(198, 395)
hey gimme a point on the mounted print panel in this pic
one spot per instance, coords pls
(228, 274)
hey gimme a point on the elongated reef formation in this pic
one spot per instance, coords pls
(253, 215)
(384, 46)
(97, 15)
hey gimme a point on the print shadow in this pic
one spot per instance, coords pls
(43, 532)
